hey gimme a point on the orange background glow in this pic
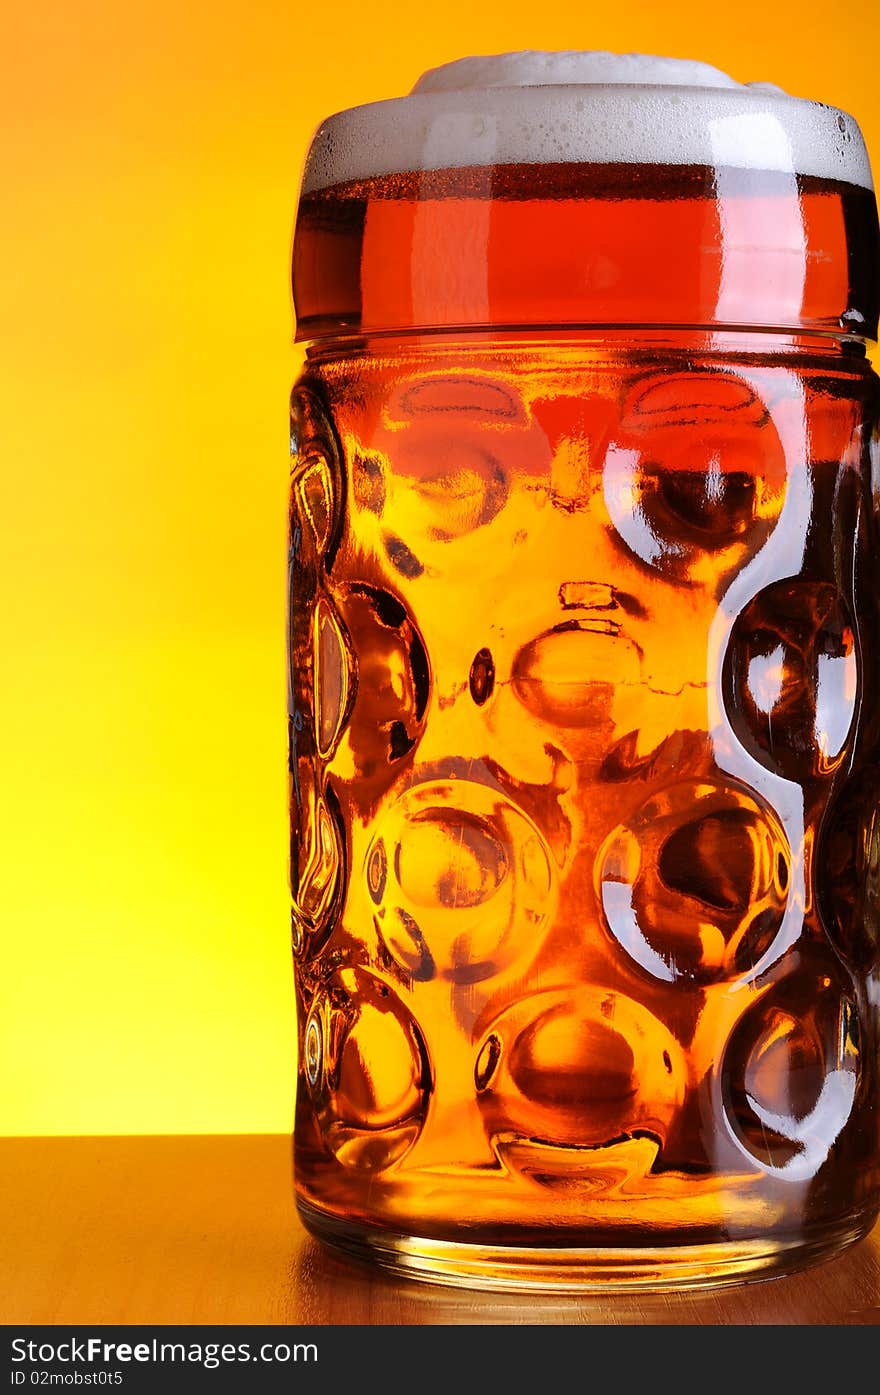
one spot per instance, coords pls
(150, 167)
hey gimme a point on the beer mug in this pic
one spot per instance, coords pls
(584, 717)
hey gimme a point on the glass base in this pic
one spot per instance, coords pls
(570, 1269)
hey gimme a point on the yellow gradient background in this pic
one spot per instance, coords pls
(150, 165)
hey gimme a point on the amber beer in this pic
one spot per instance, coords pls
(584, 712)
(639, 244)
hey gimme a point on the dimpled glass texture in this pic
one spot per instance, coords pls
(584, 733)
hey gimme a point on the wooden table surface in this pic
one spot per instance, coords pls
(201, 1229)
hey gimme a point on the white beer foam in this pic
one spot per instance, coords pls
(531, 69)
(591, 108)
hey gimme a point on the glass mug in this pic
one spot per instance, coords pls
(584, 676)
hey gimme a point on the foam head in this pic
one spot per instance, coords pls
(587, 189)
(586, 108)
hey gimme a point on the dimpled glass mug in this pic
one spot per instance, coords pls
(585, 659)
